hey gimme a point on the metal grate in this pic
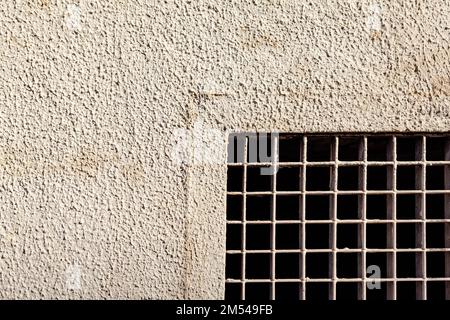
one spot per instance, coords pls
(338, 217)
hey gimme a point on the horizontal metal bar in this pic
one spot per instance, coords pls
(341, 250)
(338, 221)
(340, 163)
(339, 192)
(336, 279)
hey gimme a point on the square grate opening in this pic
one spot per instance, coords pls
(338, 217)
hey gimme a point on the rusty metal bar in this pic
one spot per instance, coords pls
(420, 213)
(391, 227)
(333, 216)
(362, 225)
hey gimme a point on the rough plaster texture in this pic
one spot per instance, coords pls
(91, 94)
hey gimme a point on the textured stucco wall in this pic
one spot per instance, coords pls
(95, 96)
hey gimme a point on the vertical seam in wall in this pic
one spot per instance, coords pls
(189, 247)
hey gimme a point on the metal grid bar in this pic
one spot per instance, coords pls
(333, 216)
(392, 214)
(362, 226)
(303, 220)
(367, 221)
(340, 163)
(244, 220)
(421, 287)
(342, 192)
(447, 216)
(328, 280)
(387, 250)
(273, 218)
(364, 189)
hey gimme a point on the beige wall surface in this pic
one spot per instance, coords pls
(110, 111)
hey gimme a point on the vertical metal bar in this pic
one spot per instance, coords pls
(362, 212)
(274, 143)
(391, 228)
(424, 229)
(333, 217)
(244, 218)
(447, 216)
(303, 222)
(420, 208)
